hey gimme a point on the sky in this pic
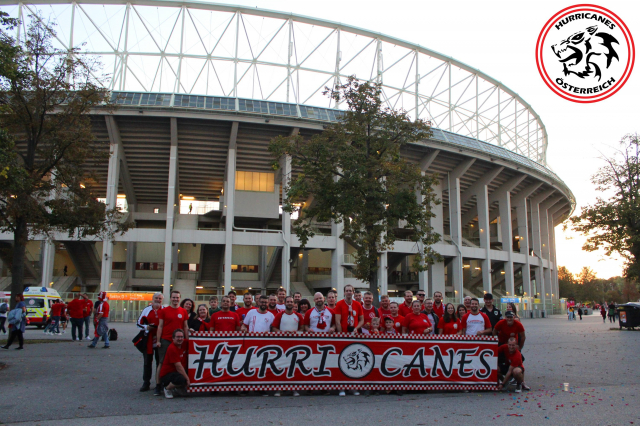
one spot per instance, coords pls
(499, 38)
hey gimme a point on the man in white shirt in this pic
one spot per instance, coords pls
(287, 321)
(476, 323)
(258, 320)
(320, 318)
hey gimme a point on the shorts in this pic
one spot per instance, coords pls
(162, 350)
(174, 377)
(63, 320)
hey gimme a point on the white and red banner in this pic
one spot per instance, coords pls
(278, 361)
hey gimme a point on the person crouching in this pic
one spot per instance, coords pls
(173, 374)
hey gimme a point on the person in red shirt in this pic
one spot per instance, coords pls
(397, 319)
(450, 323)
(102, 321)
(420, 295)
(369, 311)
(515, 366)
(272, 305)
(384, 310)
(88, 311)
(148, 321)
(173, 373)
(76, 312)
(224, 319)
(349, 315)
(171, 317)
(416, 322)
(248, 305)
(405, 308)
(509, 327)
(54, 326)
(332, 300)
(438, 306)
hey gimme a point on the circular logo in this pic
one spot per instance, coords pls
(356, 361)
(585, 53)
(179, 315)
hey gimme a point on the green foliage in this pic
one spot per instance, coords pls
(587, 288)
(47, 143)
(613, 223)
(353, 173)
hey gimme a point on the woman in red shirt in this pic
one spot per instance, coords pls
(416, 322)
(450, 323)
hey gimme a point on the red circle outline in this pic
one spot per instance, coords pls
(630, 49)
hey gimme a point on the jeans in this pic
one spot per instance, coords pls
(148, 366)
(87, 321)
(76, 323)
(2, 321)
(54, 326)
(105, 336)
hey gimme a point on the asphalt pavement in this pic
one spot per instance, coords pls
(55, 381)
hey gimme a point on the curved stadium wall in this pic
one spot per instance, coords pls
(201, 90)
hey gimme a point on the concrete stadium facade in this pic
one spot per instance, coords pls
(191, 168)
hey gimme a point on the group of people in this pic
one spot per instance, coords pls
(610, 311)
(78, 311)
(167, 328)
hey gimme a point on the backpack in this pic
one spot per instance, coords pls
(113, 334)
(3, 308)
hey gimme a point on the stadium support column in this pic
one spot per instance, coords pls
(169, 273)
(48, 254)
(436, 271)
(545, 237)
(113, 178)
(337, 256)
(229, 202)
(537, 240)
(504, 206)
(383, 275)
(482, 204)
(520, 204)
(455, 221)
(285, 167)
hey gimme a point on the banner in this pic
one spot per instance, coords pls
(279, 361)
(147, 297)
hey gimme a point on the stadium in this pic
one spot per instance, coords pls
(201, 90)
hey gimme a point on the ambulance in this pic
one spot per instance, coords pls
(39, 301)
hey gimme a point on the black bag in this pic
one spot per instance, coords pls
(113, 334)
(140, 341)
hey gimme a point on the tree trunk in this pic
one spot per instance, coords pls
(373, 279)
(20, 238)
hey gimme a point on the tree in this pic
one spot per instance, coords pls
(46, 143)
(614, 223)
(566, 283)
(355, 175)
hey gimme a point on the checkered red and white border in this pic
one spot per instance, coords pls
(248, 388)
(344, 335)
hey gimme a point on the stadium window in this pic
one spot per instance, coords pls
(254, 181)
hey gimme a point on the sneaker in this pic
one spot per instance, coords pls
(518, 388)
(342, 393)
(58, 333)
(513, 381)
(88, 338)
(64, 331)
(46, 332)
(167, 393)
(157, 391)
(295, 393)
(19, 348)
(145, 387)
(78, 339)
(276, 394)
(106, 347)
(356, 393)
(91, 347)
(525, 387)
(4, 347)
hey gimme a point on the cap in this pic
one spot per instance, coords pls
(388, 319)
(508, 314)
(488, 296)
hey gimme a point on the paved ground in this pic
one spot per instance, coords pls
(64, 383)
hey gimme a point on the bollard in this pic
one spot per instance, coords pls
(566, 387)
(126, 316)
